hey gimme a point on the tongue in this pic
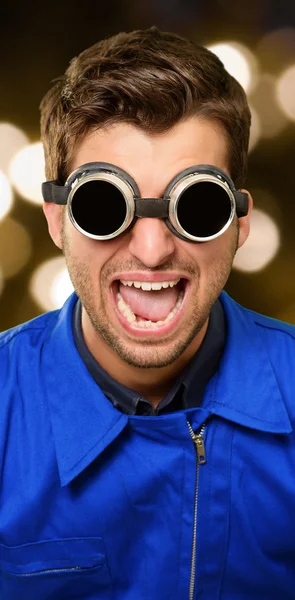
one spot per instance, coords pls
(154, 305)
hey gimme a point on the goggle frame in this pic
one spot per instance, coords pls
(138, 207)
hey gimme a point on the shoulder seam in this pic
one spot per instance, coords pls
(20, 330)
(275, 328)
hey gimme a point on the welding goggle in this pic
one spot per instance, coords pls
(103, 201)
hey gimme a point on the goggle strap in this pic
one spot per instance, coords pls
(155, 207)
(52, 192)
(242, 203)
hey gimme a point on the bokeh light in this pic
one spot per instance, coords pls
(261, 246)
(264, 102)
(27, 172)
(286, 92)
(15, 247)
(12, 139)
(50, 284)
(6, 196)
(239, 62)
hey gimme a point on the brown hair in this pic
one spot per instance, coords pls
(150, 79)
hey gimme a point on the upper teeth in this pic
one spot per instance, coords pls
(150, 285)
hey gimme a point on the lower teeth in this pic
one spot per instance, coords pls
(131, 318)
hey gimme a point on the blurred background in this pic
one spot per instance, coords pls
(256, 42)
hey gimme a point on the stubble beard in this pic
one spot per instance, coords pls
(149, 353)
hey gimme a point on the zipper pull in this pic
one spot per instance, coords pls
(198, 439)
(200, 448)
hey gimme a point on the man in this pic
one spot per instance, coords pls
(147, 427)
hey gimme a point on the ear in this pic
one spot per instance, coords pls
(244, 222)
(54, 218)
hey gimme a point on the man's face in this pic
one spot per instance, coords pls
(149, 252)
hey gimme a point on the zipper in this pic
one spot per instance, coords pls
(199, 443)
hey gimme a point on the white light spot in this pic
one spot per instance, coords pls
(239, 61)
(286, 92)
(6, 196)
(61, 287)
(261, 245)
(12, 139)
(50, 285)
(27, 172)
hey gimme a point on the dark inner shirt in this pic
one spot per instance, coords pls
(187, 389)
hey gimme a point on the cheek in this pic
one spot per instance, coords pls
(224, 247)
(87, 259)
(216, 254)
(83, 249)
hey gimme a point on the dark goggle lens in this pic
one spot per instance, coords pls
(98, 207)
(203, 209)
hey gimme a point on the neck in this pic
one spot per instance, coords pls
(151, 383)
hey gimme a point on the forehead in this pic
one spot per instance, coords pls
(153, 160)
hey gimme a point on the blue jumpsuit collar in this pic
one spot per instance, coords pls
(84, 422)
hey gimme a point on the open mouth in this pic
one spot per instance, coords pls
(149, 305)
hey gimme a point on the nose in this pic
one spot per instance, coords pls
(151, 241)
